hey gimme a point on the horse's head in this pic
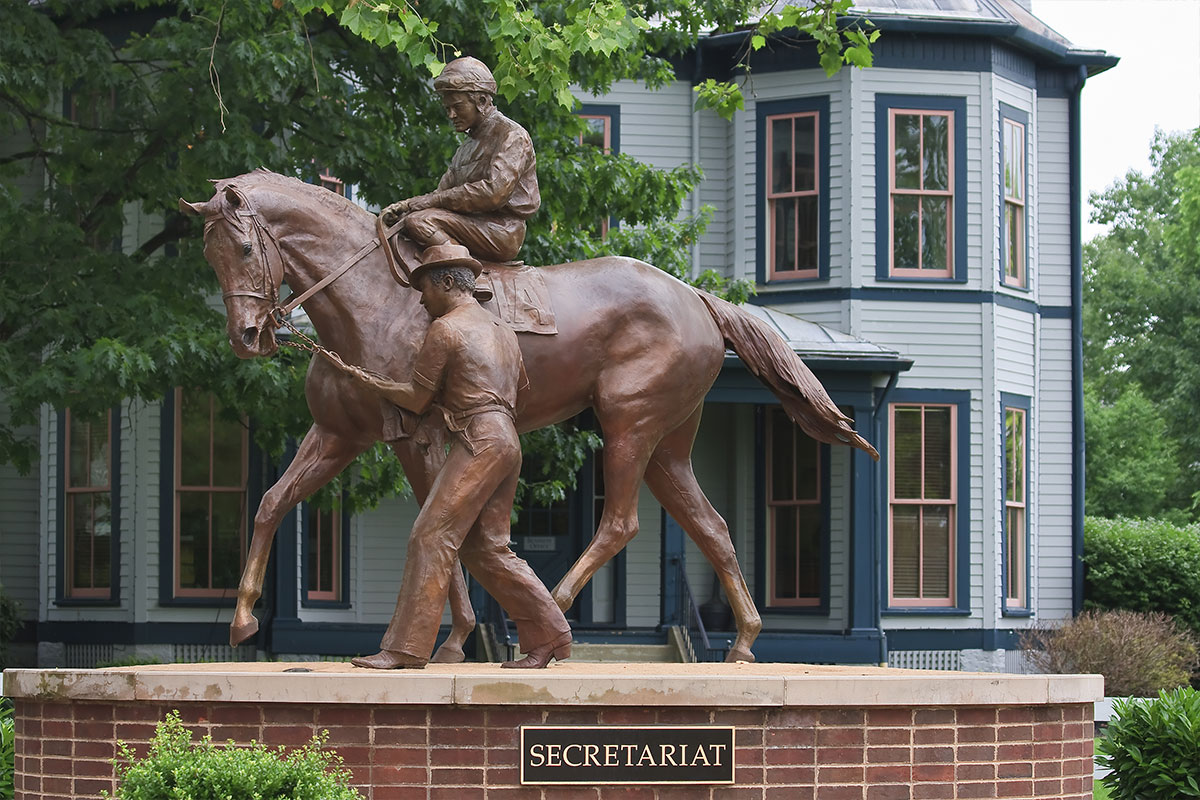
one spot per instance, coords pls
(248, 264)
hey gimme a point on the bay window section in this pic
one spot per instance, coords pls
(1016, 517)
(923, 505)
(88, 509)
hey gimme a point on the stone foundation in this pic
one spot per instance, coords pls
(824, 733)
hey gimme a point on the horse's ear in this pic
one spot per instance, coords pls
(192, 209)
(232, 198)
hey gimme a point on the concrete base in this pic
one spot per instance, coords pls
(453, 731)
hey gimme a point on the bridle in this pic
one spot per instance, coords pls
(271, 277)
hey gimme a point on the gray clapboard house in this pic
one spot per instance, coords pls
(914, 233)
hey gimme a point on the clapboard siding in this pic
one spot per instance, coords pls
(1054, 488)
(1053, 263)
(1015, 350)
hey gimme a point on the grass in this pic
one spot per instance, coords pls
(1099, 791)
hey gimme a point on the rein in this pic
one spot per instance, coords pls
(278, 313)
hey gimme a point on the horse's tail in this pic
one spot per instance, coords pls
(769, 358)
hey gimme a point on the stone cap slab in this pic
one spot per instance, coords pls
(572, 684)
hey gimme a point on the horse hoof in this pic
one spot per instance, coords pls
(240, 632)
(737, 654)
(449, 654)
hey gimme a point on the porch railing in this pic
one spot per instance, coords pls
(700, 646)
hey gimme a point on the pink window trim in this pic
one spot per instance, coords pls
(334, 593)
(773, 273)
(772, 504)
(71, 590)
(1016, 539)
(952, 501)
(903, 272)
(1018, 204)
(332, 182)
(210, 490)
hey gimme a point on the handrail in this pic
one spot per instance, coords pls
(688, 615)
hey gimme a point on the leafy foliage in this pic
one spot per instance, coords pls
(1138, 653)
(110, 110)
(8, 749)
(542, 50)
(1143, 565)
(1142, 339)
(175, 768)
(1153, 747)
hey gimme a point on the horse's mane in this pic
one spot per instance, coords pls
(242, 185)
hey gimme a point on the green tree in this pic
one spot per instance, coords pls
(112, 109)
(1142, 338)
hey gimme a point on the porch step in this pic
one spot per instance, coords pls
(594, 652)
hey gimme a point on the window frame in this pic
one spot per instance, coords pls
(1022, 604)
(813, 105)
(886, 107)
(1010, 115)
(820, 502)
(611, 113)
(762, 525)
(64, 594)
(958, 603)
(169, 556)
(340, 596)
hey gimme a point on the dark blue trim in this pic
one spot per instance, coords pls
(960, 398)
(344, 544)
(114, 567)
(801, 647)
(941, 639)
(1014, 114)
(767, 297)
(1025, 404)
(958, 107)
(819, 104)
(674, 561)
(1002, 47)
(761, 539)
(1077, 431)
(864, 544)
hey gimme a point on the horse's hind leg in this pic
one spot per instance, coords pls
(669, 475)
(625, 455)
(320, 457)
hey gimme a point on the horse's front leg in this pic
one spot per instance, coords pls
(321, 456)
(422, 458)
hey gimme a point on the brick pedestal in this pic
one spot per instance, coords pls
(824, 733)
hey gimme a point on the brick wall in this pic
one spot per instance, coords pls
(64, 750)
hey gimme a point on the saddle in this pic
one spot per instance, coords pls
(512, 290)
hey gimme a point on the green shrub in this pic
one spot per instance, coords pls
(1143, 565)
(1153, 747)
(177, 769)
(1137, 653)
(8, 749)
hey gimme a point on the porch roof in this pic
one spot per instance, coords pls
(822, 347)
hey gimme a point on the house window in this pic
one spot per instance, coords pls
(601, 131)
(323, 553)
(88, 548)
(1014, 188)
(920, 187)
(795, 514)
(922, 171)
(923, 504)
(332, 182)
(793, 187)
(1016, 489)
(793, 195)
(211, 464)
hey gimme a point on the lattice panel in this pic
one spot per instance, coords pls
(87, 656)
(942, 660)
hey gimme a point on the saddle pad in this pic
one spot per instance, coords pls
(520, 298)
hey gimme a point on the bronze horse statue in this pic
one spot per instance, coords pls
(638, 346)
